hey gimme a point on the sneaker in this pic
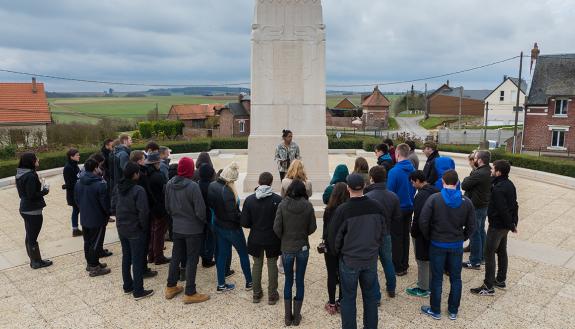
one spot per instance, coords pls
(76, 232)
(330, 308)
(258, 297)
(98, 271)
(90, 268)
(417, 292)
(249, 286)
(453, 316)
(470, 266)
(226, 287)
(149, 274)
(427, 311)
(128, 291)
(105, 253)
(500, 285)
(391, 294)
(230, 273)
(195, 298)
(483, 291)
(144, 294)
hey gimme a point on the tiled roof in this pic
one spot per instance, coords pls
(193, 111)
(554, 76)
(18, 104)
(237, 109)
(376, 99)
(345, 104)
(470, 94)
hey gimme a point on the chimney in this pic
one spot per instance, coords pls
(34, 90)
(447, 83)
(504, 78)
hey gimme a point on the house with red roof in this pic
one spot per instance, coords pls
(24, 113)
(375, 109)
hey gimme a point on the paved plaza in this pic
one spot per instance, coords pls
(540, 293)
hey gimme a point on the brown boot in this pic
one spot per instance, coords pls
(273, 298)
(172, 292)
(195, 298)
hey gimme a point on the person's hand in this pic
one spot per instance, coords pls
(514, 230)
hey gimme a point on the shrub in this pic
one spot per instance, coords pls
(345, 143)
(169, 128)
(229, 143)
(79, 133)
(554, 166)
(7, 152)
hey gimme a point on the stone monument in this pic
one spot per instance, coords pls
(288, 87)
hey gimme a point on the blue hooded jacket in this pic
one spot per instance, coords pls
(398, 183)
(443, 164)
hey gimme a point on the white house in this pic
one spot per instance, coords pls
(502, 100)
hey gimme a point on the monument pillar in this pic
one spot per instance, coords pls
(288, 88)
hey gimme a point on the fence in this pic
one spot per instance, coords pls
(472, 136)
(374, 133)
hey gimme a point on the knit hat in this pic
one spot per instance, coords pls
(186, 167)
(230, 173)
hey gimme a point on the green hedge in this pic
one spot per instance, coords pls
(169, 128)
(345, 143)
(563, 167)
(229, 143)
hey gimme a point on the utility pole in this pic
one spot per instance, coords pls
(407, 102)
(517, 104)
(425, 103)
(485, 124)
(460, 99)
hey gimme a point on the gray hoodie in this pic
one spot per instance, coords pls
(184, 202)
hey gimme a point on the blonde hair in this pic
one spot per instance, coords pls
(296, 171)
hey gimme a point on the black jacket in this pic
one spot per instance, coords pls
(30, 190)
(130, 204)
(294, 223)
(120, 157)
(389, 202)
(503, 208)
(421, 243)
(361, 232)
(106, 165)
(224, 204)
(440, 223)
(477, 186)
(91, 195)
(71, 171)
(156, 188)
(429, 168)
(258, 214)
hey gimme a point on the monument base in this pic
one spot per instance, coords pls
(314, 155)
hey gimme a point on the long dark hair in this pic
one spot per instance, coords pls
(28, 161)
(203, 158)
(297, 190)
(339, 195)
(361, 166)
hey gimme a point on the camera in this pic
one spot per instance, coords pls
(321, 248)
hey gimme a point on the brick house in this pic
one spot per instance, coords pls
(342, 114)
(550, 108)
(24, 113)
(375, 109)
(234, 118)
(445, 101)
(196, 117)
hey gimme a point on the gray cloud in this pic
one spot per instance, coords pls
(182, 41)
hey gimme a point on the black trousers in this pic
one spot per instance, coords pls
(400, 241)
(332, 266)
(92, 242)
(188, 247)
(496, 243)
(32, 225)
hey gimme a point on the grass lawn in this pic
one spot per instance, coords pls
(434, 122)
(409, 115)
(392, 124)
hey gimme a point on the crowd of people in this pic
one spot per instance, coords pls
(371, 214)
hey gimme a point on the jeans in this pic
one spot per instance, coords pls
(496, 244)
(441, 259)
(298, 258)
(92, 239)
(75, 214)
(477, 239)
(133, 256)
(208, 245)
(272, 274)
(367, 278)
(158, 228)
(332, 266)
(225, 240)
(186, 246)
(387, 264)
(400, 241)
(32, 225)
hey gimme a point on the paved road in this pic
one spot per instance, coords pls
(411, 126)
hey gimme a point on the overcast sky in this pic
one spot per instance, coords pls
(193, 41)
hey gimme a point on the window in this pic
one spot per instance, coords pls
(558, 138)
(561, 107)
(242, 126)
(513, 95)
(199, 123)
(502, 96)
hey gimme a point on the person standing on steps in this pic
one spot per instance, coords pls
(294, 223)
(31, 192)
(358, 241)
(184, 202)
(398, 183)
(286, 152)
(477, 187)
(91, 195)
(71, 171)
(503, 213)
(130, 203)
(446, 220)
(258, 215)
